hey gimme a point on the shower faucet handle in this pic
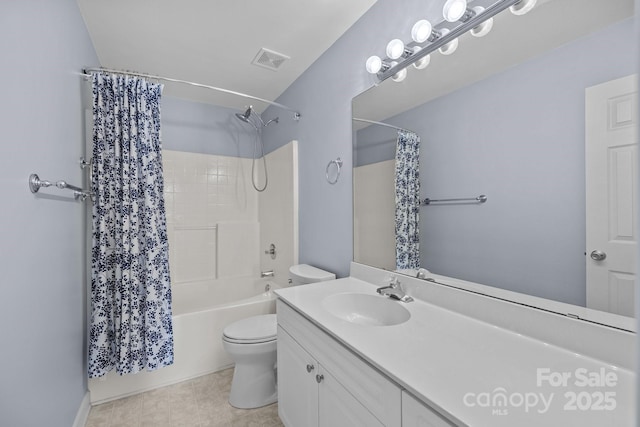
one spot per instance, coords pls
(271, 251)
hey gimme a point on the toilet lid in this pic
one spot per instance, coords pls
(253, 329)
(308, 274)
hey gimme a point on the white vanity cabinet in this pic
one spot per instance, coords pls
(416, 414)
(310, 395)
(321, 383)
(417, 373)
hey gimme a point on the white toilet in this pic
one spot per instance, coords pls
(251, 342)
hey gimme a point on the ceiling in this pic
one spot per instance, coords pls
(213, 42)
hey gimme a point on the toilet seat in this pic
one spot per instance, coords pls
(252, 330)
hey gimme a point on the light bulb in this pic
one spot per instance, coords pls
(422, 62)
(450, 47)
(395, 49)
(484, 28)
(453, 10)
(374, 64)
(421, 31)
(400, 75)
(522, 7)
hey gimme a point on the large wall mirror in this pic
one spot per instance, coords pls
(519, 116)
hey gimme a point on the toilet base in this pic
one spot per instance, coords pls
(254, 376)
(254, 397)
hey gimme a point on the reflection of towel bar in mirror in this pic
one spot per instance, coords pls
(480, 199)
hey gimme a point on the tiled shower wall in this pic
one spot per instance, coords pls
(202, 191)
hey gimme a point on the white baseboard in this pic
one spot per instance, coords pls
(83, 411)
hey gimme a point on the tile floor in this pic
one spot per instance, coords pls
(201, 402)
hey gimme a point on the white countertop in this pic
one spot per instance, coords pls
(457, 364)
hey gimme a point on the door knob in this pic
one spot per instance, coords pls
(598, 255)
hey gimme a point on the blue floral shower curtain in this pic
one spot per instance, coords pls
(407, 186)
(131, 325)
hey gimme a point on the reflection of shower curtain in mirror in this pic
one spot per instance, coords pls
(131, 327)
(407, 186)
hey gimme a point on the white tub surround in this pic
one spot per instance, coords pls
(219, 226)
(238, 248)
(497, 364)
(278, 212)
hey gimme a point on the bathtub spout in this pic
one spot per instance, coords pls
(268, 273)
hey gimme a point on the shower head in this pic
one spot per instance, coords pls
(245, 116)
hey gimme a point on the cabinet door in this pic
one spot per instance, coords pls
(374, 391)
(338, 408)
(297, 386)
(416, 414)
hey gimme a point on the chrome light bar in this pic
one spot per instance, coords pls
(454, 33)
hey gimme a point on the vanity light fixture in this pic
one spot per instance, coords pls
(522, 7)
(454, 10)
(422, 62)
(422, 31)
(400, 75)
(427, 39)
(484, 28)
(450, 47)
(395, 49)
(374, 65)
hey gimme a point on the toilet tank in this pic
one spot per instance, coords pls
(304, 273)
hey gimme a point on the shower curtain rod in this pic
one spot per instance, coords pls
(87, 72)
(373, 122)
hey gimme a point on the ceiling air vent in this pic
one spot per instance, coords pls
(269, 59)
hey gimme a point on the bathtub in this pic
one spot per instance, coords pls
(201, 310)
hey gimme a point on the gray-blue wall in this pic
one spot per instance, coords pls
(517, 136)
(44, 45)
(204, 128)
(323, 95)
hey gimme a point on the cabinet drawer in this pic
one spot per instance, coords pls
(370, 387)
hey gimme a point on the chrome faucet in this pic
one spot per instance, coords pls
(394, 291)
(268, 273)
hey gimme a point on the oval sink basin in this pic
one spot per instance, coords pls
(366, 310)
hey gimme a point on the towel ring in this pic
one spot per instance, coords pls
(338, 163)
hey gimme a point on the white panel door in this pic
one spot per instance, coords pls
(611, 194)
